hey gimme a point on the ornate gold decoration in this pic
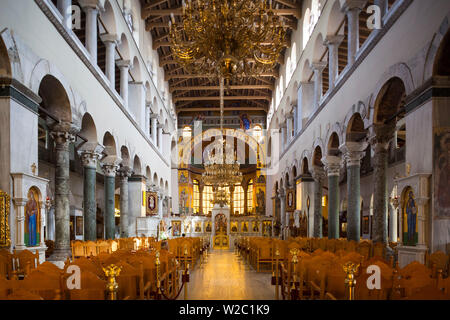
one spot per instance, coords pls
(221, 198)
(351, 269)
(112, 271)
(227, 39)
(5, 240)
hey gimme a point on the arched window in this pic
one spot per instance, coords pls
(250, 196)
(208, 196)
(196, 204)
(238, 200)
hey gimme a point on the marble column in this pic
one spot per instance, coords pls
(332, 168)
(160, 204)
(109, 169)
(318, 68)
(282, 197)
(295, 119)
(154, 119)
(353, 153)
(393, 235)
(124, 66)
(64, 7)
(160, 136)
(333, 42)
(42, 223)
(283, 137)
(124, 173)
(110, 41)
(63, 134)
(383, 134)
(289, 119)
(318, 175)
(91, 31)
(352, 9)
(20, 218)
(147, 118)
(89, 159)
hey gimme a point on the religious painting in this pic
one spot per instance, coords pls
(261, 202)
(441, 173)
(244, 226)
(79, 225)
(234, 226)
(32, 219)
(208, 226)
(410, 232)
(245, 122)
(198, 226)
(220, 224)
(187, 226)
(5, 240)
(290, 200)
(151, 204)
(184, 201)
(255, 226)
(176, 228)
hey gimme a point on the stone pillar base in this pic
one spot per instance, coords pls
(60, 255)
(406, 254)
(41, 250)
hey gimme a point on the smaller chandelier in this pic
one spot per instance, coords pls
(221, 198)
(222, 168)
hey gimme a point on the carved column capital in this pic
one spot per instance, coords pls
(64, 133)
(348, 5)
(382, 134)
(353, 152)
(332, 165)
(110, 165)
(318, 65)
(333, 40)
(318, 173)
(124, 64)
(110, 38)
(124, 172)
(90, 153)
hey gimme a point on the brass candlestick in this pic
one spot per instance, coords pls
(351, 269)
(112, 271)
(158, 281)
(277, 254)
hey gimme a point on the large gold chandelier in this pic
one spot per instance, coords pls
(221, 168)
(227, 39)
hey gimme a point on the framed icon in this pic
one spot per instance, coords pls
(151, 204)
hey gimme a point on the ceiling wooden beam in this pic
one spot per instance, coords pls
(195, 76)
(226, 98)
(148, 12)
(195, 109)
(238, 87)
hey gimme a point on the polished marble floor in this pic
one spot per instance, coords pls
(227, 277)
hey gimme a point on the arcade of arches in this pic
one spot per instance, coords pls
(104, 135)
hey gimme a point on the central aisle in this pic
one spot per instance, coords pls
(227, 277)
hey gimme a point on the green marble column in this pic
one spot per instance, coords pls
(110, 176)
(89, 160)
(380, 142)
(333, 167)
(62, 139)
(318, 176)
(353, 153)
(124, 173)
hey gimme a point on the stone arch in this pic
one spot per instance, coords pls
(88, 129)
(305, 166)
(155, 179)
(335, 18)
(55, 98)
(135, 70)
(124, 47)
(319, 48)
(148, 173)
(166, 186)
(294, 172)
(108, 18)
(137, 168)
(388, 100)
(355, 128)
(306, 72)
(333, 145)
(441, 65)
(125, 155)
(161, 183)
(306, 24)
(398, 71)
(110, 144)
(317, 157)
(294, 93)
(435, 48)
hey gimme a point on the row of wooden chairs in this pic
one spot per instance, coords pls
(321, 275)
(137, 279)
(94, 248)
(18, 263)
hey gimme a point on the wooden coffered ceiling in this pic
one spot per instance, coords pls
(195, 92)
